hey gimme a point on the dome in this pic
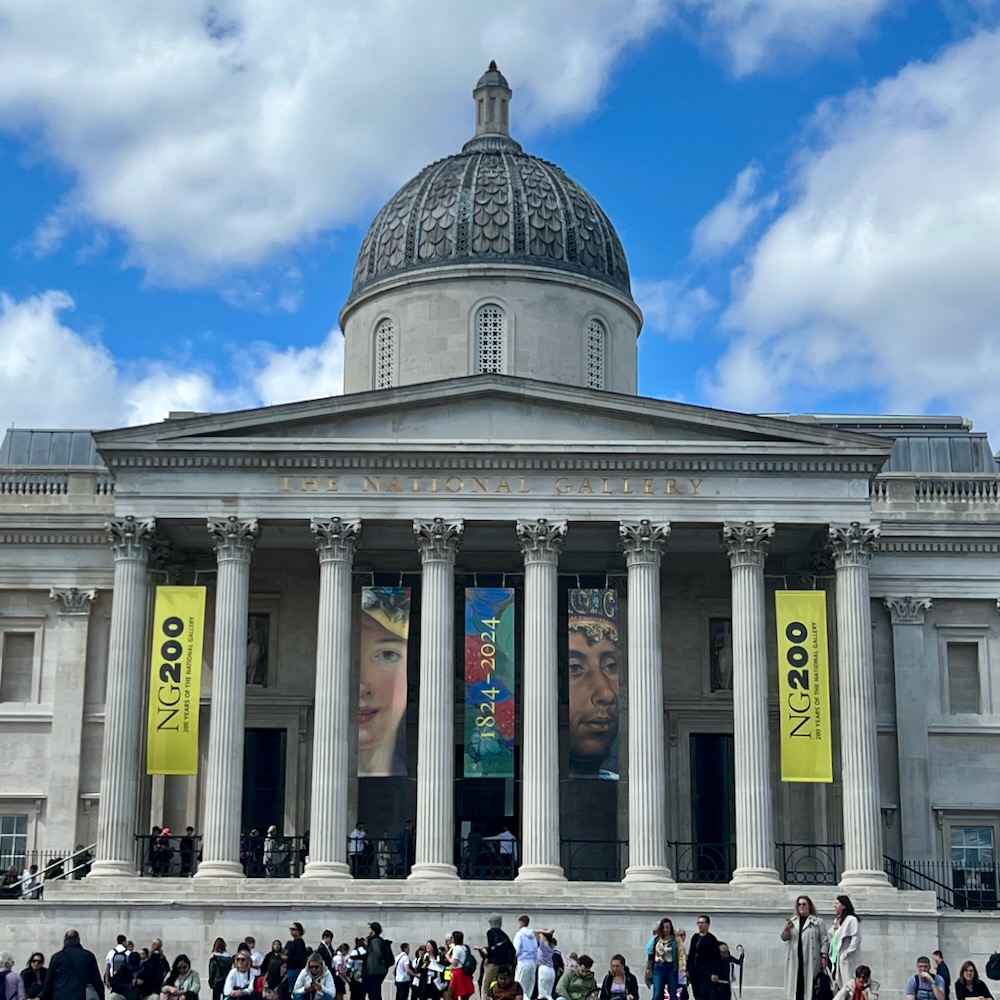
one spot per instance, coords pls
(492, 203)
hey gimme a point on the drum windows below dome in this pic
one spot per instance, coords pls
(491, 340)
(385, 355)
(596, 347)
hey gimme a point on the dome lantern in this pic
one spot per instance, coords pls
(492, 96)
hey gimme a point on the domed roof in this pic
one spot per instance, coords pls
(491, 204)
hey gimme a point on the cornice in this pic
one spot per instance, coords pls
(937, 545)
(54, 537)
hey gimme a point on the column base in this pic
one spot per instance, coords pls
(220, 869)
(647, 875)
(860, 877)
(540, 873)
(431, 871)
(112, 869)
(333, 870)
(755, 876)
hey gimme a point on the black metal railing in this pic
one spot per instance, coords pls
(956, 886)
(701, 861)
(163, 856)
(483, 860)
(809, 864)
(383, 857)
(594, 860)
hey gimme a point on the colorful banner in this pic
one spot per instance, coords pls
(175, 681)
(804, 686)
(594, 656)
(385, 630)
(489, 682)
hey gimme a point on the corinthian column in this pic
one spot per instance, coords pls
(123, 714)
(438, 541)
(852, 548)
(541, 541)
(335, 541)
(234, 540)
(643, 544)
(747, 546)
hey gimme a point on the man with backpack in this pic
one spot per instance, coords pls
(125, 967)
(499, 951)
(115, 959)
(378, 961)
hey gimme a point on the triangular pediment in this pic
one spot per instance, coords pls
(491, 411)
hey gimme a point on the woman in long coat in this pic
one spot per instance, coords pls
(805, 934)
(845, 942)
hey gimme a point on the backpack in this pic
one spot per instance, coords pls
(118, 961)
(993, 966)
(503, 951)
(822, 986)
(218, 969)
(469, 962)
(125, 966)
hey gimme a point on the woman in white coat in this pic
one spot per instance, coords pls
(805, 934)
(845, 942)
(314, 982)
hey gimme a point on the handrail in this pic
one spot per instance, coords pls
(86, 856)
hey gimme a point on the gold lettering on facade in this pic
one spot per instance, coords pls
(522, 486)
(670, 486)
(585, 486)
(309, 484)
(562, 485)
(285, 483)
(503, 486)
(454, 484)
(434, 484)
(695, 484)
(394, 486)
(414, 484)
(480, 485)
(647, 486)
(626, 488)
(331, 484)
(372, 484)
(607, 487)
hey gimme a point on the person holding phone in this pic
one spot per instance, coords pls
(619, 983)
(314, 982)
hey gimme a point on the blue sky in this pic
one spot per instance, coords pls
(808, 191)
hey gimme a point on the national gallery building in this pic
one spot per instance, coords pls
(492, 590)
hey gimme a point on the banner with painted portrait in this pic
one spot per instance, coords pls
(489, 682)
(385, 630)
(593, 666)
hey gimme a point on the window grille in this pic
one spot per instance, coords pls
(596, 338)
(385, 355)
(491, 341)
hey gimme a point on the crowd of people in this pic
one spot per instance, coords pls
(821, 964)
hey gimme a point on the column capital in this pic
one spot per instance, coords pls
(71, 601)
(130, 537)
(746, 543)
(234, 537)
(852, 544)
(335, 538)
(438, 539)
(643, 540)
(541, 540)
(907, 610)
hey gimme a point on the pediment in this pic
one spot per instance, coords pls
(491, 411)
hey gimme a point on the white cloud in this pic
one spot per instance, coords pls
(883, 272)
(54, 376)
(727, 223)
(672, 307)
(756, 33)
(213, 135)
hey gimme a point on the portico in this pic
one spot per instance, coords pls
(328, 493)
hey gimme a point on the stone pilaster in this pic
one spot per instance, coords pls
(438, 541)
(643, 544)
(336, 541)
(72, 625)
(541, 541)
(916, 821)
(746, 545)
(234, 540)
(852, 547)
(123, 714)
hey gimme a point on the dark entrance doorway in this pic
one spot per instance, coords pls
(264, 779)
(483, 810)
(711, 855)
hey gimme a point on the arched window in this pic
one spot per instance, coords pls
(596, 341)
(385, 354)
(491, 340)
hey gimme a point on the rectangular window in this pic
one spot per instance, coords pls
(17, 666)
(963, 677)
(974, 875)
(13, 842)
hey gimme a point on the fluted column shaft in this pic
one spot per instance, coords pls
(234, 541)
(647, 829)
(541, 540)
(335, 541)
(123, 714)
(747, 546)
(852, 548)
(438, 541)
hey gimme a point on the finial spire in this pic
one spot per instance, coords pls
(492, 96)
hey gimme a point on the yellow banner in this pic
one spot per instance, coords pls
(804, 686)
(175, 681)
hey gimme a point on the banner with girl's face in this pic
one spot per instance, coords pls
(593, 665)
(385, 629)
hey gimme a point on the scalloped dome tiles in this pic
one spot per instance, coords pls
(491, 204)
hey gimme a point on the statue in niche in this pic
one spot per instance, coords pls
(258, 636)
(720, 642)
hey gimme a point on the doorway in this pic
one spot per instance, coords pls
(264, 779)
(711, 855)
